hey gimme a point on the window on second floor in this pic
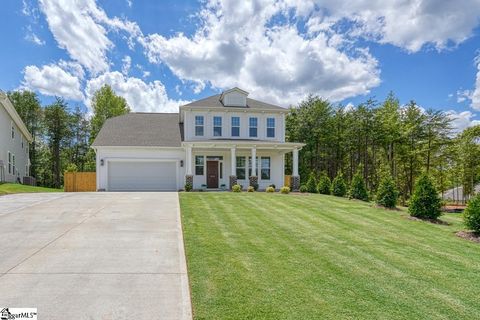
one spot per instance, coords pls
(253, 127)
(217, 126)
(199, 126)
(235, 126)
(13, 131)
(270, 127)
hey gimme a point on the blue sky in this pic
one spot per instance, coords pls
(161, 54)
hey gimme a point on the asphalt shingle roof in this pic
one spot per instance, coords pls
(141, 130)
(214, 102)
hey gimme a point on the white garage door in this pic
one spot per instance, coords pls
(142, 175)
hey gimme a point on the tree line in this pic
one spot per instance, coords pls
(384, 138)
(62, 135)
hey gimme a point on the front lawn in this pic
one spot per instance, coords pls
(272, 256)
(9, 188)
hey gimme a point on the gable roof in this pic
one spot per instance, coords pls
(215, 102)
(141, 130)
(5, 102)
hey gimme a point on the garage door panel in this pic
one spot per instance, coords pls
(142, 175)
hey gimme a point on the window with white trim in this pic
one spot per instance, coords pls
(199, 165)
(217, 126)
(13, 164)
(13, 131)
(199, 123)
(270, 127)
(240, 168)
(235, 126)
(253, 127)
(265, 171)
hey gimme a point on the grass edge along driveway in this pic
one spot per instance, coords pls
(273, 256)
(11, 188)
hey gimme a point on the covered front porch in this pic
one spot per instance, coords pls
(216, 165)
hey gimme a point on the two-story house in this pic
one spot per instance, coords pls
(211, 143)
(14, 143)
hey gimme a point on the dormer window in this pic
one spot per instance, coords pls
(234, 98)
(199, 126)
(217, 126)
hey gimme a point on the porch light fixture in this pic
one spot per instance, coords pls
(181, 163)
(102, 162)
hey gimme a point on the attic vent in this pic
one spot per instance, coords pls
(234, 98)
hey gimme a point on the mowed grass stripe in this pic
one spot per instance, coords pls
(270, 256)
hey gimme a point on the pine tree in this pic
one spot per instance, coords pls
(339, 187)
(387, 193)
(471, 215)
(324, 184)
(312, 183)
(357, 188)
(425, 202)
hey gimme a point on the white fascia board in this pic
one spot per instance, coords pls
(15, 116)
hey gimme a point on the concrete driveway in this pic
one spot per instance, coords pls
(94, 256)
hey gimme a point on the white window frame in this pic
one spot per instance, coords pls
(200, 125)
(270, 127)
(244, 167)
(13, 130)
(9, 159)
(269, 168)
(217, 126)
(202, 165)
(235, 126)
(250, 127)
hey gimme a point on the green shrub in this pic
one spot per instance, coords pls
(270, 189)
(251, 189)
(425, 202)
(471, 215)
(254, 186)
(188, 187)
(303, 188)
(71, 167)
(387, 193)
(324, 184)
(358, 190)
(272, 185)
(339, 187)
(312, 183)
(285, 190)
(237, 188)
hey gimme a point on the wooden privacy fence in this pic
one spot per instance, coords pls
(80, 181)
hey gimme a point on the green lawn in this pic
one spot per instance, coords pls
(8, 188)
(273, 256)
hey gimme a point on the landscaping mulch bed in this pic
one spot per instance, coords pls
(469, 235)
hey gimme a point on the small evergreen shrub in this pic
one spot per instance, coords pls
(285, 190)
(471, 215)
(188, 187)
(303, 188)
(237, 188)
(273, 186)
(358, 190)
(270, 189)
(425, 202)
(312, 183)
(339, 187)
(387, 193)
(254, 186)
(251, 189)
(324, 184)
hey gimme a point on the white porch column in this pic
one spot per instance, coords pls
(295, 162)
(254, 161)
(233, 163)
(188, 158)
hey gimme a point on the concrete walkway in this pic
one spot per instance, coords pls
(94, 256)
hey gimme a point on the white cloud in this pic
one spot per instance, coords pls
(80, 27)
(140, 96)
(52, 80)
(475, 95)
(462, 120)
(32, 37)
(126, 64)
(464, 95)
(129, 3)
(237, 45)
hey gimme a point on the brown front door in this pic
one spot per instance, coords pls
(212, 174)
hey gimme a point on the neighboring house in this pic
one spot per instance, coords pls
(14, 143)
(210, 143)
